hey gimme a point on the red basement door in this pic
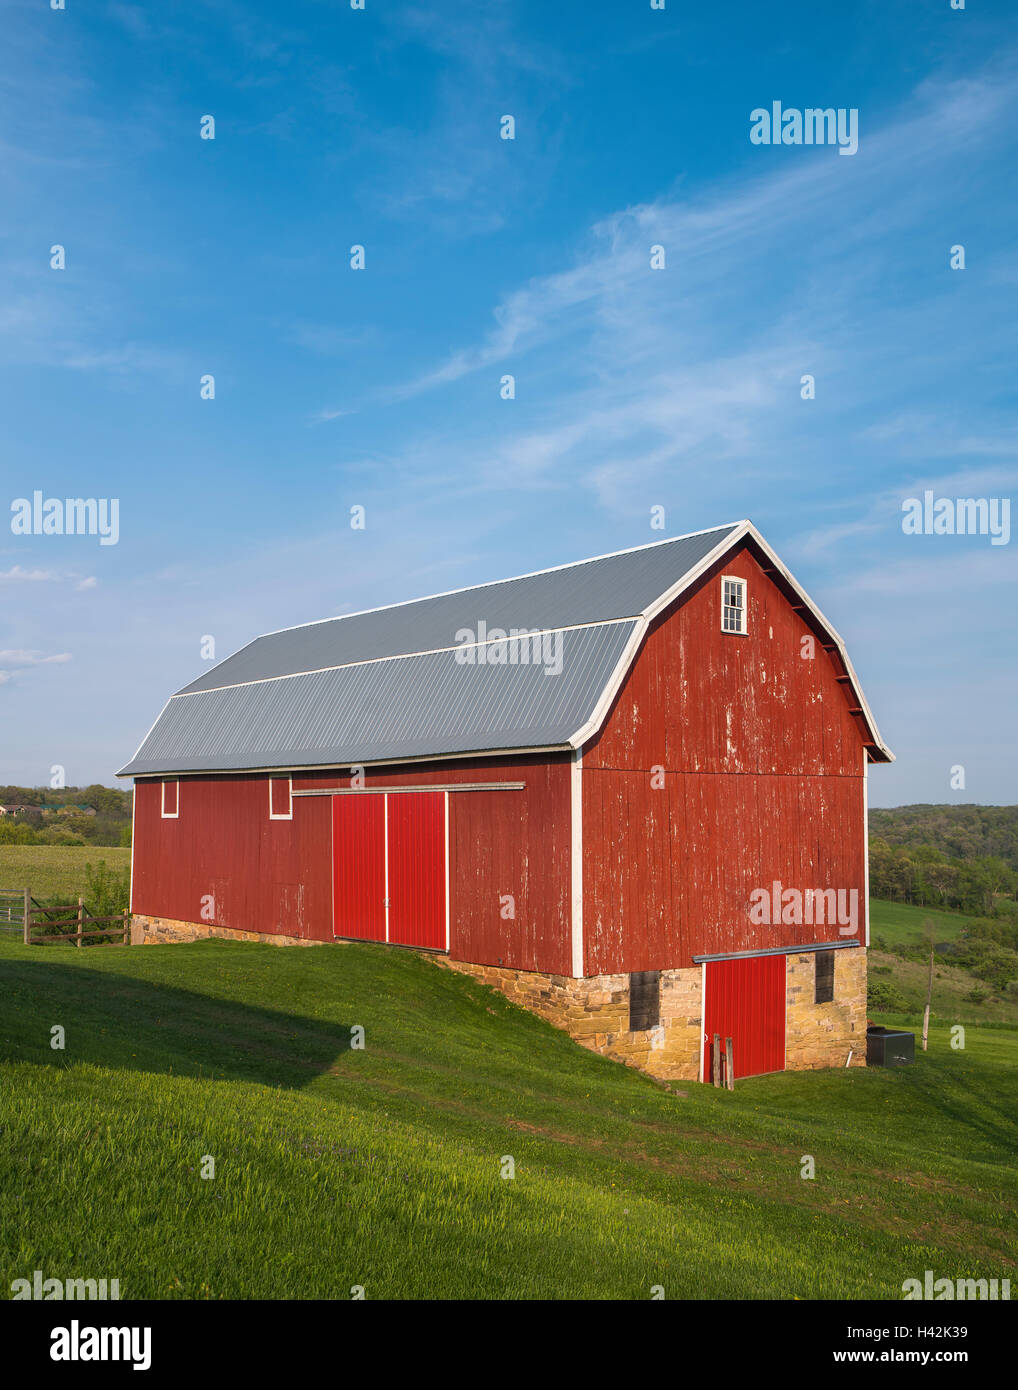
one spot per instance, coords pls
(746, 1002)
(358, 867)
(389, 868)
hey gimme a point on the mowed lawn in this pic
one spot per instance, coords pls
(56, 872)
(338, 1166)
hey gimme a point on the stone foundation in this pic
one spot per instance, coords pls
(159, 931)
(595, 1013)
(822, 1035)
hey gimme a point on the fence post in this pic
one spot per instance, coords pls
(729, 1065)
(27, 919)
(716, 1059)
(81, 923)
(127, 927)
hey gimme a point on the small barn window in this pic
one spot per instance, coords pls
(280, 798)
(824, 977)
(733, 605)
(644, 1000)
(170, 805)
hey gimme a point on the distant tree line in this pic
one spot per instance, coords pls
(925, 877)
(959, 832)
(46, 816)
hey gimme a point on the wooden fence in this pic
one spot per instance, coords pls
(33, 914)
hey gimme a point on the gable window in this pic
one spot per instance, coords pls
(280, 798)
(733, 605)
(170, 805)
(824, 993)
(644, 1000)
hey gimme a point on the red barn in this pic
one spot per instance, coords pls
(629, 792)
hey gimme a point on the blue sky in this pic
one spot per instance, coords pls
(380, 388)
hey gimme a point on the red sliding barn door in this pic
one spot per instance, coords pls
(389, 868)
(417, 869)
(358, 867)
(746, 1002)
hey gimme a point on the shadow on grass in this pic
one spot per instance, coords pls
(122, 1022)
(974, 1107)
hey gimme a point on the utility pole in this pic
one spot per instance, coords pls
(929, 1000)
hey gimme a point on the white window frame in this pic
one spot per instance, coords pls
(273, 815)
(744, 585)
(169, 815)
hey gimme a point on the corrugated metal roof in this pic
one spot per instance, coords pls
(592, 591)
(424, 705)
(386, 685)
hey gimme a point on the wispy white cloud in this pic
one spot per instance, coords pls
(635, 378)
(30, 658)
(937, 568)
(612, 286)
(17, 574)
(876, 512)
(330, 339)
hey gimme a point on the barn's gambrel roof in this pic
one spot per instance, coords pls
(391, 684)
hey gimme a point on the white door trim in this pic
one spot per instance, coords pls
(446, 873)
(576, 861)
(385, 851)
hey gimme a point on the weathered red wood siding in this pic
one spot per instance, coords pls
(223, 861)
(275, 875)
(762, 771)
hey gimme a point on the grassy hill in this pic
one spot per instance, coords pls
(55, 872)
(898, 926)
(338, 1166)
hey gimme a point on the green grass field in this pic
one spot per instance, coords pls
(951, 986)
(55, 871)
(338, 1166)
(899, 924)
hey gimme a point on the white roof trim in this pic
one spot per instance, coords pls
(141, 745)
(832, 633)
(490, 583)
(604, 704)
(744, 530)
